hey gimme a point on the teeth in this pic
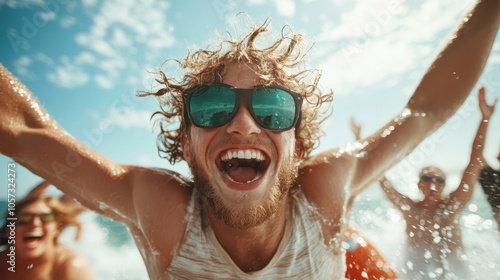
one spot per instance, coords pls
(243, 154)
(34, 234)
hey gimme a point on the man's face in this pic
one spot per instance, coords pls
(431, 184)
(242, 169)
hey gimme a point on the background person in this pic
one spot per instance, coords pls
(434, 247)
(38, 254)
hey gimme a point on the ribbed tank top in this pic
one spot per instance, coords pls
(302, 253)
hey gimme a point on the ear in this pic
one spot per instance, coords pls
(186, 150)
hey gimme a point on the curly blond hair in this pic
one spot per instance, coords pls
(280, 63)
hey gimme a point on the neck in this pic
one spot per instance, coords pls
(252, 249)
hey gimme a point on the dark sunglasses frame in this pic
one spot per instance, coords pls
(437, 179)
(44, 218)
(244, 94)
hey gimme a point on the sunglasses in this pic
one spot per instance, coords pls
(437, 179)
(272, 107)
(26, 218)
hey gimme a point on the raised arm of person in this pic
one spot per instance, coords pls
(463, 193)
(355, 128)
(31, 137)
(39, 189)
(395, 197)
(442, 90)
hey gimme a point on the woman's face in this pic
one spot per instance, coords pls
(36, 230)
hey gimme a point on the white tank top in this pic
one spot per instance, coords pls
(302, 253)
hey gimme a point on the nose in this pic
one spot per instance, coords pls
(243, 123)
(36, 221)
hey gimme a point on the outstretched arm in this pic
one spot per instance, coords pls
(31, 137)
(442, 90)
(440, 93)
(463, 193)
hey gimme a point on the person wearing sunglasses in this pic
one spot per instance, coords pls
(245, 116)
(434, 246)
(39, 220)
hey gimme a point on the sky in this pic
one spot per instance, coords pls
(86, 60)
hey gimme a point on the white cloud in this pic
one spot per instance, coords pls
(68, 75)
(285, 7)
(22, 65)
(85, 58)
(104, 82)
(67, 22)
(374, 45)
(21, 4)
(24, 61)
(47, 15)
(89, 3)
(120, 34)
(129, 118)
(44, 58)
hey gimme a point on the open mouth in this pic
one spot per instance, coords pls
(33, 238)
(243, 166)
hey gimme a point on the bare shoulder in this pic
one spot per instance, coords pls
(324, 177)
(161, 198)
(153, 187)
(71, 265)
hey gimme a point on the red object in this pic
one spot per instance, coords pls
(363, 260)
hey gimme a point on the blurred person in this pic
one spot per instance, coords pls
(40, 219)
(490, 182)
(245, 119)
(434, 246)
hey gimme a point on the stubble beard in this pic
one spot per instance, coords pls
(245, 218)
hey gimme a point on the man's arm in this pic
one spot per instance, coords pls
(394, 196)
(464, 192)
(442, 90)
(31, 137)
(344, 173)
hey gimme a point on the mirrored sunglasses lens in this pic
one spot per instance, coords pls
(439, 180)
(211, 106)
(274, 108)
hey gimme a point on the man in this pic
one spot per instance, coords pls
(434, 240)
(490, 182)
(259, 205)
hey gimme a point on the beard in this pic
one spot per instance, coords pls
(245, 218)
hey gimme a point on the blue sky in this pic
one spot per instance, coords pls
(85, 60)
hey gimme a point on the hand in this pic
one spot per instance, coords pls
(486, 109)
(355, 128)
